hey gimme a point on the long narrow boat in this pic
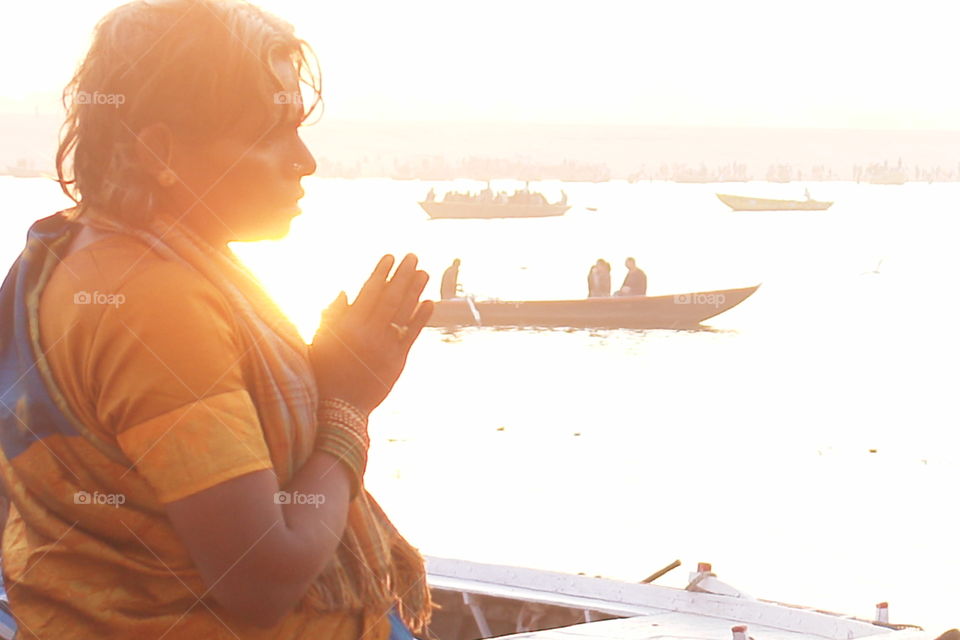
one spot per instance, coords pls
(683, 311)
(466, 210)
(744, 203)
(485, 601)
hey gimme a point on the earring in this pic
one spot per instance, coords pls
(166, 178)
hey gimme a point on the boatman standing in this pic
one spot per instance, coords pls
(448, 284)
(635, 284)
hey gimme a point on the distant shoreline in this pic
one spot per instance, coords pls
(539, 151)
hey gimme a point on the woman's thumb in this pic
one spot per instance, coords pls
(336, 308)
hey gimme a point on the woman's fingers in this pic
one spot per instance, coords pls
(410, 298)
(416, 324)
(369, 295)
(393, 294)
(335, 311)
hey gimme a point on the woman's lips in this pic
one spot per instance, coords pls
(294, 201)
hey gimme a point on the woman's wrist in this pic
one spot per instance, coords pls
(342, 432)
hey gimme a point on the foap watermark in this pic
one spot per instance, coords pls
(109, 499)
(85, 297)
(110, 99)
(288, 97)
(295, 497)
(715, 299)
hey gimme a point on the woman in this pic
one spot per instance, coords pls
(179, 463)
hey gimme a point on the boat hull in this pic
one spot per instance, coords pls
(489, 210)
(742, 203)
(684, 311)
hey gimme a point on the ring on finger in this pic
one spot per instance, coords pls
(401, 331)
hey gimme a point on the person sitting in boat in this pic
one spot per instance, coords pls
(182, 464)
(598, 280)
(448, 283)
(521, 196)
(635, 283)
(431, 195)
(603, 278)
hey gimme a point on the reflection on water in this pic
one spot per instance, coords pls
(613, 452)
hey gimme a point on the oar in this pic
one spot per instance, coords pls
(670, 567)
(474, 311)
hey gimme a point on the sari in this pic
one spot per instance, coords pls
(54, 447)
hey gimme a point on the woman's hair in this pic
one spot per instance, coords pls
(200, 66)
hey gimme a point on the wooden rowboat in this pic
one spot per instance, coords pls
(743, 203)
(683, 311)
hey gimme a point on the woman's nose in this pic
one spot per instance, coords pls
(305, 164)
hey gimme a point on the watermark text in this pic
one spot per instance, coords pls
(295, 497)
(110, 499)
(715, 299)
(86, 297)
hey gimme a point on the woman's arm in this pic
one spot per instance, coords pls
(257, 557)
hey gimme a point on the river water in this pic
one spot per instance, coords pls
(806, 446)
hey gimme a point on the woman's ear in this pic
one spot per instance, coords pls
(154, 150)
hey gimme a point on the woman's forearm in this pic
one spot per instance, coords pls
(257, 547)
(314, 506)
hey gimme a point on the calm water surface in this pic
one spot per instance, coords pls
(615, 452)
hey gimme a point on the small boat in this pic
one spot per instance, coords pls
(744, 203)
(883, 174)
(683, 311)
(466, 210)
(522, 203)
(24, 170)
(493, 601)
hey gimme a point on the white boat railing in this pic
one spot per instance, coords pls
(627, 599)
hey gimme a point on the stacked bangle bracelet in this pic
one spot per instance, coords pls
(342, 432)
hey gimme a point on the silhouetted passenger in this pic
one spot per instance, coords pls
(448, 284)
(598, 280)
(635, 284)
(603, 278)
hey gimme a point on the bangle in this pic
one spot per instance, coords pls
(342, 432)
(337, 404)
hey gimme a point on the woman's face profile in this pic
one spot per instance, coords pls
(245, 185)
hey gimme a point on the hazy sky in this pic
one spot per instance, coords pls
(834, 63)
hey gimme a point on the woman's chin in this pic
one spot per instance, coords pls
(273, 227)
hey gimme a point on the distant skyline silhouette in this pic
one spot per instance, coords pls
(443, 150)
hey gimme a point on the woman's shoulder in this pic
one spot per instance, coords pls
(117, 282)
(118, 265)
